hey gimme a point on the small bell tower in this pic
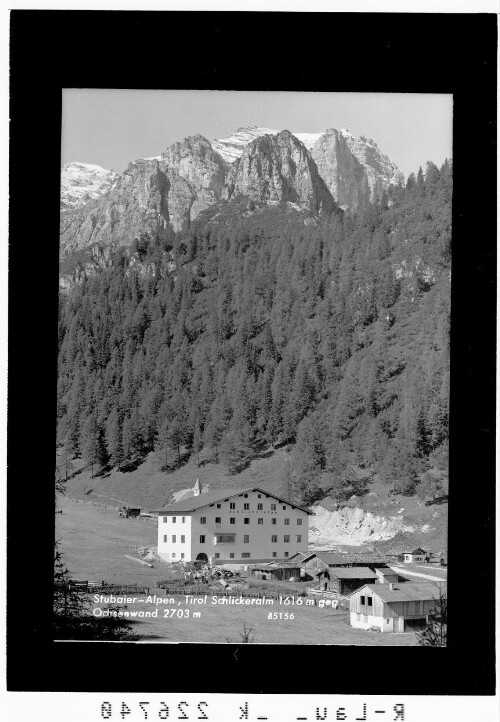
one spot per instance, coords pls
(197, 488)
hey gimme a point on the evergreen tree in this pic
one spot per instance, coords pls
(66, 461)
(217, 424)
(114, 435)
(257, 313)
(436, 630)
(94, 447)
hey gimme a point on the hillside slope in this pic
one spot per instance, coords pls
(264, 328)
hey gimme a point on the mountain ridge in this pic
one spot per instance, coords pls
(318, 171)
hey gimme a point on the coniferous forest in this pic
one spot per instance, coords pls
(261, 326)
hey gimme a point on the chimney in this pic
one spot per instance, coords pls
(391, 586)
(197, 488)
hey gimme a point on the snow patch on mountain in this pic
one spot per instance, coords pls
(309, 139)
(83, 182)
(379, 167)
(232, 147)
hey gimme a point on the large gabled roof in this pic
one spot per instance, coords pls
(336, 559)
(407, 592)
(193, 503)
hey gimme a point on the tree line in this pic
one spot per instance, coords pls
(261, 326)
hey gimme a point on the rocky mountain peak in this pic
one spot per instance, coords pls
(83, 182)
(232, 147)
(380, 170)
(278, 168)
(314, 171)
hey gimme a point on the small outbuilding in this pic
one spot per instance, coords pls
(394, 607)
(387, 576)
(417, 556)
(346, 580)
(281, 571)
(315, 564)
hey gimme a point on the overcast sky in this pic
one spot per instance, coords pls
(112, 127)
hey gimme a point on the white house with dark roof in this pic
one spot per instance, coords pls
(417, 556)
(394, 607)
(231, 525)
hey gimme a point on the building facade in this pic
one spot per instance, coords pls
(346, 580)
(316, 563)
(393, 608)
(231, 525)
(417, 556)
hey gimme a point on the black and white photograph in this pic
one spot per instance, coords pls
(251, 408)
(253, 369)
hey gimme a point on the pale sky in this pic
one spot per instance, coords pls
(112, 127)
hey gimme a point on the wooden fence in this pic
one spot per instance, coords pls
(148, 519)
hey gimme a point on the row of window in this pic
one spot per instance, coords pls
(369, 600)
(246, 506)
(246, 539)
(174, 519)
(246, 520)
(232, 505)
(232, 520)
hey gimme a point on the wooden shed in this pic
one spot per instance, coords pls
(346, 580)
(317, 563)
(277, 571)
(394, 607)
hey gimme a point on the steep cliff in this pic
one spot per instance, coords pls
(343, 174)
(278, 168)
(152, 193)
(136, 202)
(315, 171)
(380, 171)
(354, 169)
(197, 178)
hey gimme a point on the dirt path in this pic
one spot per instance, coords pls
(403, 571)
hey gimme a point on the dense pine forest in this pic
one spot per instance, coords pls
(261, 326)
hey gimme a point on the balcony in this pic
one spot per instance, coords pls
(224, 538)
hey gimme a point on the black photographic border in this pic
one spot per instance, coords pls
(357, 52)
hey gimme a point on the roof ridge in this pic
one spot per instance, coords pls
(193, 503)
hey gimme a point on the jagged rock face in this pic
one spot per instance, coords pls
(354, 169)
(380, 171)
(345, 177)
(311, 170)
(278, 168)
(195, 162)
(135, 203)
(151, 193)
(83, 182)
